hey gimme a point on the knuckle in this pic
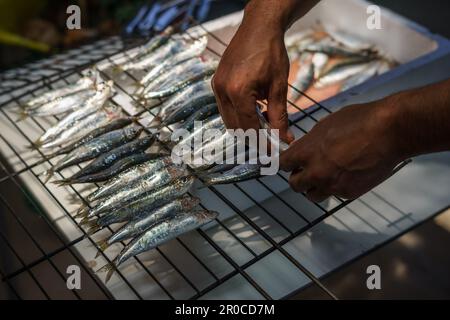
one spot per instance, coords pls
(294, 185)
(316, 177)
(234, 89)
(217, 83)
(246, 112)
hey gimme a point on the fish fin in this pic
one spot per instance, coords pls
(85, 221)
(93, 227)
(116, 70)
(48, 175)
(64, 182)
(82, 211)
(102, 246)
(24, 106)
(156, 122)
(23, 114)
(136, 119)
(35, 145)
(137, 85)
(109, 268)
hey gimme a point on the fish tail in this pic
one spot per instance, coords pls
(82, 212)
(93, 227)
(48, 175)
(64, 182)
(155, 123)
(116, 70)
(23, 114)
(109, 268)
(137, 85)
(136, 119)
(102, 246)
(85, 221)
(35, 145)
(24, 106)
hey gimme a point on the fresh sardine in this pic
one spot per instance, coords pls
(193, 50)
(82, 126)
(113, 125)
(130, 177)
(197, 89)
(87, 108)
(116, 168)
(200, 115)
(159, 234)
(369, 72)
(240, 173)
(189, 108)
(96, 147)
(320, 61)
(142, 188)
(87, 82)
(147, 219)
(304, 78)
(340, 74)
(197, 72)
(108, 159)
(158, 197)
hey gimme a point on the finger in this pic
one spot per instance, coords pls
(225, 106)
(277, 110)
(228, 113)
(294, 157)
(298, 181)
(245, 106)
(317, 195)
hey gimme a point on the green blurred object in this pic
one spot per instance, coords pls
(16, 40)
(13, 13)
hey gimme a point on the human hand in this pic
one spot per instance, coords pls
(254, 67)
(346, 154)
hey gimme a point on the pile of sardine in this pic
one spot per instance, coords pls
(144, 190)
(139, 184)
(328, 56)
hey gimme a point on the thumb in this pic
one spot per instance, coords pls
(277, 110)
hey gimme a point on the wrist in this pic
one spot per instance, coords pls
(388, 118)
(269, 15)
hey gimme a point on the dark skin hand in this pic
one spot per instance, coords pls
(352, 150)
(255, 66)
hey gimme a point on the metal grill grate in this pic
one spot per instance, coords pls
(258, 218)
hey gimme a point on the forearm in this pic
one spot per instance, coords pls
(278, 15)
(421, 120)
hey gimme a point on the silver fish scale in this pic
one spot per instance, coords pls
(62, 104)
(82, 84)
(143, 187)
(105, 142)
(129, 177)
(148, 219)
(165, 231)
(89, 123)
(156, 198)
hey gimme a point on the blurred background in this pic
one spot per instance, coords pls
(33, 29)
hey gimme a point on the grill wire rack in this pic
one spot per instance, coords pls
(252, 232)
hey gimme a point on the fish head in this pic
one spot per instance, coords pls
(188, 203)
(185, 182)
(206, 216)
(147, 141)
(176, 171)
(133, 132)
(93, 75)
